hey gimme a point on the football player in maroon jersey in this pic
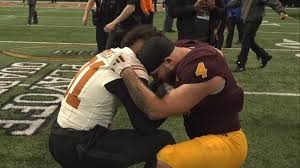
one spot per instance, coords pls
(205, 94)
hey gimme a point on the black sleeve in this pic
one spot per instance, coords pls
(180, 9)
(219, 9)
(155, 5)
(139, 120)
(276, 5)
(233, 4)
(132, 2)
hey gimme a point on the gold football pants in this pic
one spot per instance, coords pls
(210, 151)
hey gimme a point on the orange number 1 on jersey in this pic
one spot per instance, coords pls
(72, 97)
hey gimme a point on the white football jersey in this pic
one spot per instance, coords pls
(87, 103)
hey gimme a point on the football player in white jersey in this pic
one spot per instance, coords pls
(81, 136)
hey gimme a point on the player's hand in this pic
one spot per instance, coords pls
(163, 89)
(84, 20)
(211, 4)
(200, 5)
(127, 59)
(283, 16)
(110, 27)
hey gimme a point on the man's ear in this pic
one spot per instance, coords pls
(169, 60)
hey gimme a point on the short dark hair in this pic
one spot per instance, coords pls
(144, 32)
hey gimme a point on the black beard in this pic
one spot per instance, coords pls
(170, 78)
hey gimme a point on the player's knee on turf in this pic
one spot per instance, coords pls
(164, 156)
(161, 164)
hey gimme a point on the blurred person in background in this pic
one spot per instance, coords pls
(233, 19)
(168, 22)
(252, 15)
(129, 13)
(192, 22)
(148, 16)
(32, 14)
(104, 14)
(217, 22)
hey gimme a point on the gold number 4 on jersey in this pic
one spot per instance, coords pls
(201, 70)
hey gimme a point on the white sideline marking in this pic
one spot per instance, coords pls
(92, 44)
(266, 32)
(289, 44)
(42, 10)
(92, 27)
(272, 94)
(272, 23)
(24, 85)
(54, 17)
(89, 27)
(29, 42)
(288, 23)
(270, 49)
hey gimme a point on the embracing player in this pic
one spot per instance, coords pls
(205, 93)
(82, 136)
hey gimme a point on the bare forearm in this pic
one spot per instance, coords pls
(141, 95)
(88, 7)
(177, 101)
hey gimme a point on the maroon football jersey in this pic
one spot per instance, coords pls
(215, 114)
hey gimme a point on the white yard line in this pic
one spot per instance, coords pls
(267, 32)
(281, 23)
(272, 94)
(43, 42)
(296, 23)
(46, 9)
(277, 17)
(32, 42)
(269, 49)
(90, 27)
(54, 17)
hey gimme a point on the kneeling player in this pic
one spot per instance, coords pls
(82, 136)
(205, 93)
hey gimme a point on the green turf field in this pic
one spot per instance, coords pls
(270, 119)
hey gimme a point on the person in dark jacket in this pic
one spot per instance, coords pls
(168, 21)
(217, 23)
(191, 23)
(252, 15)
(233, 19)
(104, 14)
(32, 14)
(148, 18)
(129, 15)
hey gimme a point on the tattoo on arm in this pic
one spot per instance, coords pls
(137, 89)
